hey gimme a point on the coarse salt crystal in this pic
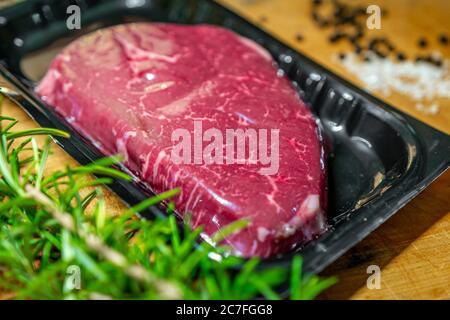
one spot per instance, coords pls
(419, 80)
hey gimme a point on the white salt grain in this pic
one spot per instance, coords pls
(419, 80)
(428, 109)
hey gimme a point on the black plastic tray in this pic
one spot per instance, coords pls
(381, 158)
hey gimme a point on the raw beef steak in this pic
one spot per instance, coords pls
(130, 87)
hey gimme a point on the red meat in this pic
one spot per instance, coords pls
(130, 87)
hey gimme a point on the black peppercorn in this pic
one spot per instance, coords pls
(435, 60)
(336, 36)
(422, 42)
(380, 54)
(390, 46)
(356, 36)
(401, 56)
(443, 39)
(361, 11)
(419, 59)
(342, 56)
(429, 58)
(425, 58)
(373, 43)
(299, 37)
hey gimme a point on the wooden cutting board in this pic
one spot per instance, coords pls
(412, 248)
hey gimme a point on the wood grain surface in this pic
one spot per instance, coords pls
(412, 248)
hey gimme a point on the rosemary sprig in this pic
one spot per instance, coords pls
(52, 223)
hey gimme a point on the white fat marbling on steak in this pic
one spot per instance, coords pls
(129, 87)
